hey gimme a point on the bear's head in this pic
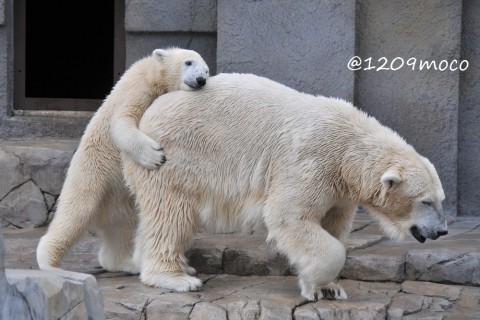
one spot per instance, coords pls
(409, 200)
(183, 69)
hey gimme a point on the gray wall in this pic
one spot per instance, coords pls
(469, 114)
(422, 106)
(306, 45)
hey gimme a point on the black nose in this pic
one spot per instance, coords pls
(201, 81)
(442, 233)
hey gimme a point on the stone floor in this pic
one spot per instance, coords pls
(245, 279)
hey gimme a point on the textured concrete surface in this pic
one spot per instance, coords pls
(304, 44)
(143, 44)
(244, 279)
(469, 113)
(2, 12)
(420, 105)
(171, 16)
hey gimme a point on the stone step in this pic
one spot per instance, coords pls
(371, 257)
(278, 297)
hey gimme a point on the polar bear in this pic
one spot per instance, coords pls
(246, 150)
(94, 193)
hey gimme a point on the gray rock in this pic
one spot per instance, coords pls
(171, 16)
(45, 163)
(419, 105)
(170, 307)
(307, 312)
(58, 295)
(270, 310)
(207, 260)
(305, 45)
(11, 174)
(443, 265)
(49, 201)
(374, 267)
(355, 308)
(208, 311)
(404, 304)
(23, 207)
(246, 261)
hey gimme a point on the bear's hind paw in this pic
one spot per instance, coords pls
(182, 283)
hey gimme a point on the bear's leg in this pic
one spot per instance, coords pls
(338, 221)
(77, 207)
(317, 255)
(117, 229)
(167, 225)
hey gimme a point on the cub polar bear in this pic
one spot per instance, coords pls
(94, 193)
(247, 149)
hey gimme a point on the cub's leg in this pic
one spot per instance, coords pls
(117, 229)
(168, 222)
(79, 202)
(317, 255)
(338, 221)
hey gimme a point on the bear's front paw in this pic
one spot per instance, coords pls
(330, 291)
(150, 154)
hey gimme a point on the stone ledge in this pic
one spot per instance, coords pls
(57, 294)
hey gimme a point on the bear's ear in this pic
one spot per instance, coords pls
(390, 178)
(160, 54)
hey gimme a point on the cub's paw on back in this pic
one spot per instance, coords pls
(148, 152)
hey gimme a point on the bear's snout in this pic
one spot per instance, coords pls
(421, 234)
(201, 81)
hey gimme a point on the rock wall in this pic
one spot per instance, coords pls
(31, 178)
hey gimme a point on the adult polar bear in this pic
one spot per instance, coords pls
(94, 193)
(246, 149)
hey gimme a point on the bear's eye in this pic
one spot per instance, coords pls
(427, 203)
(188, 63)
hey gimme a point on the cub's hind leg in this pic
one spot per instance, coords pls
(80, 200)
(117, 229)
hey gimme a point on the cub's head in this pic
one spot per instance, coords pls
(409, 200)
(183, 69)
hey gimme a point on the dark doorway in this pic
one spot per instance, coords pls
(66, 53)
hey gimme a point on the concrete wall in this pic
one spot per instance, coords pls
(422, 106)
(188, 24)
(307, 45)
(302, 44)
(469, 114)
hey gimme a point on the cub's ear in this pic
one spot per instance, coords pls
(390, 178)
(160, 54)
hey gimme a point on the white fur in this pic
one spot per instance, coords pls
(247, 142)
(94, 194)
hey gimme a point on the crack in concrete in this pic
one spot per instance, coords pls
(143, 311)
(235, 291)
(211, 278)
(15, 188)
(10, 223)
(442, 262)
(305, 302)
(69, 310)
